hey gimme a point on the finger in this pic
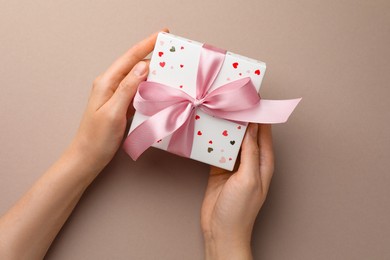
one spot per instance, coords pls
(250, 154)
(266, 155)
(124, 94)
(106, 84)
(131, 109)
(122, 66)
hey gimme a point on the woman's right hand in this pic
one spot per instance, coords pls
(233, 200)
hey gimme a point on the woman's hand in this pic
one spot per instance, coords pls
(30, 226)
(103, 125)
(233, 200)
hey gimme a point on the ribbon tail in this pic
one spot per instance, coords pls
(155, 128)
(182, 140)
(265, 111)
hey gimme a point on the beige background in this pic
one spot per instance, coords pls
(329, 198)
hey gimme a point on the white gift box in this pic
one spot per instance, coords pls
(174, 63)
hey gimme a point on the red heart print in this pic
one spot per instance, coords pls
(182, 48)
(230, 158)
(162, 64)
(239, 127)
(160, 53)
(235, 65)
(181, 86)
(197, 117)
(181, 65)
(257, 72)
(210, 142)
(225, 133)
(199, 133)
(222, 160)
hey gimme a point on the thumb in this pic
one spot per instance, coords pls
(250, 153)
(127, 88)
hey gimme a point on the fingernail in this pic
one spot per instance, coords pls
(140, 68)
(253, 130)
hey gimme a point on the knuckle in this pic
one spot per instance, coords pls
(110, 116)
(254, 187)
(134, 53)
(101, 81)
(124, 84)
(127, 84)
(251, 183)
(97, 81)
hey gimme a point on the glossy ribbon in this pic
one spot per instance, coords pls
(172, 111)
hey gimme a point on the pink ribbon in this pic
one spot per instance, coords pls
(172, 111)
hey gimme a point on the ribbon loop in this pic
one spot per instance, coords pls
(153, 97)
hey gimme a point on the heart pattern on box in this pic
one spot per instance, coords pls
(171, 58)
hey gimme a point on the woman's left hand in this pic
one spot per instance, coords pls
(104, 122)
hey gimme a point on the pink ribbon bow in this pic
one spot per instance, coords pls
(172, 111)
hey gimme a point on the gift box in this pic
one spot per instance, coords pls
(188, 105)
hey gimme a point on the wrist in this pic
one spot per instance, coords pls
(87, 165)
(227, 246)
